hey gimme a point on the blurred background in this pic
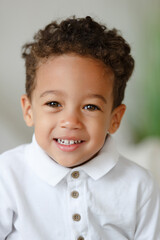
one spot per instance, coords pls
(139, 22)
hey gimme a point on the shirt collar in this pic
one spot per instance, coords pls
(105, 160)
(52, 173)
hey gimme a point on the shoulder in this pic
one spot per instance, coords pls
(13, 171)
(131, 167)
(13, 157)
(137, 177)
(133, 171)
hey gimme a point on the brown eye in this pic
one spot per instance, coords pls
(53, 104)
(91, 107)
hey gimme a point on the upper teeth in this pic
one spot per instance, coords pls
(68, 142)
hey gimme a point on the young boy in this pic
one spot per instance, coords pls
(70, 182)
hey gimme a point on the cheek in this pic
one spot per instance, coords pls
(98, 127)
(44, 124)
(42, 118)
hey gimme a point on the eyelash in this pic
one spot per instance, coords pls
(89, 107)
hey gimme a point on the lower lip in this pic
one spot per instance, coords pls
(68, 148)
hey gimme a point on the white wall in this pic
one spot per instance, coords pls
(20, 19)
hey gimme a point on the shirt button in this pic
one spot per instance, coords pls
(76, 217)
(75, 174)
(75, 194)
(80, 238)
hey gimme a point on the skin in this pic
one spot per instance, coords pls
(72, 100)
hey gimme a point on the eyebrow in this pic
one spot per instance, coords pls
(51, 92)
(91, 95)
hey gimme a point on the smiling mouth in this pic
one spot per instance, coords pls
(68, 142)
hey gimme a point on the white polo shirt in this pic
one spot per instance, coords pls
(108, 197)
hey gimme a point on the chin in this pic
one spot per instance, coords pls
(70, 164)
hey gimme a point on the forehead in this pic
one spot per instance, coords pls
(74, 71)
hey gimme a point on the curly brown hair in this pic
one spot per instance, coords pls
(85, 37)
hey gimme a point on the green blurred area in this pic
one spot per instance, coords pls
(146, 122)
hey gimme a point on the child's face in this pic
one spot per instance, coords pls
(71, 108)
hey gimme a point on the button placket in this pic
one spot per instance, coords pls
(76, 199)
(75, 194)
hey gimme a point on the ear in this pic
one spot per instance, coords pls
(117, 115)
(27, 110)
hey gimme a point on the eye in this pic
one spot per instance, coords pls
(91, 107)
(53, 104)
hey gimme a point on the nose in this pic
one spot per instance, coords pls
(71, 121)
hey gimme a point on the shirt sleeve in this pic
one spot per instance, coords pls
(148, 215)
(6, 213)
